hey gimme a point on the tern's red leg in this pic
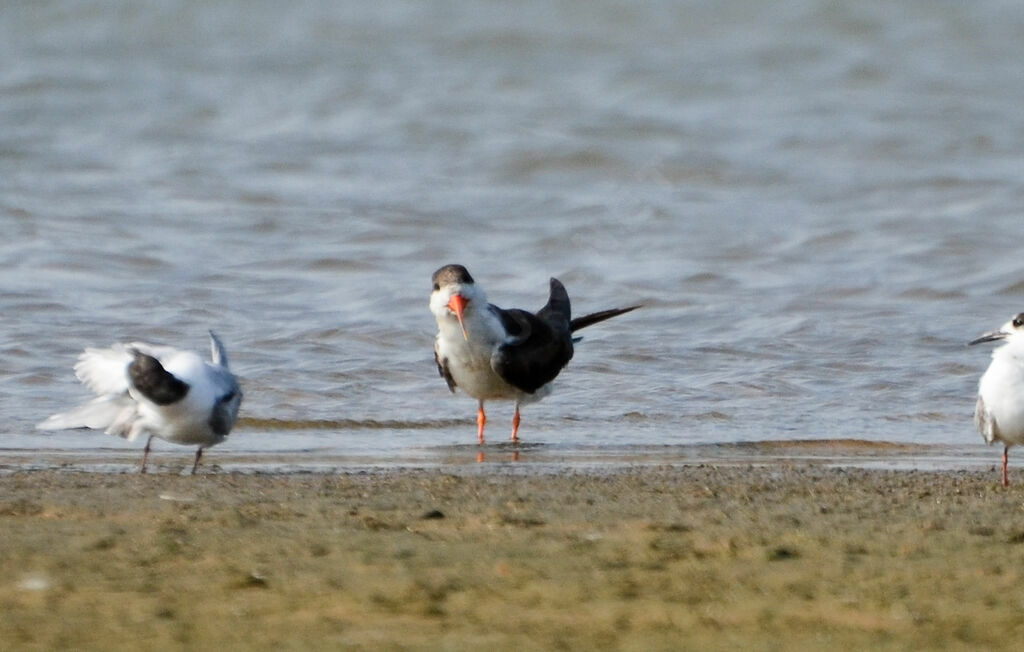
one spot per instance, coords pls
(195, 465)
(1006, 461)
(481, 420)
(145, 454)
(515, 423)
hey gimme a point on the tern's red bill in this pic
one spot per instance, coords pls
(457, 304)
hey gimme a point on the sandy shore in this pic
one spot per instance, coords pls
(698, 557)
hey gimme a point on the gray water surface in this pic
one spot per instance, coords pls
(818, 204)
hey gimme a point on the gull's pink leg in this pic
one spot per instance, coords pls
(195, 465)
(145, 454)
(1006, 461)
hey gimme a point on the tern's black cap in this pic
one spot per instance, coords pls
(451, 274)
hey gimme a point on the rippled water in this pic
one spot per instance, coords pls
(817, 202)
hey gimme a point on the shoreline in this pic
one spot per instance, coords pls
(525, 457)
(701, 556)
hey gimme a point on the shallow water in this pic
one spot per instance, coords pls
(818, 205)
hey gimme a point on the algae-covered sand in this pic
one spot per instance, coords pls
(697, 557)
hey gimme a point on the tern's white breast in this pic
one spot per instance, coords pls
(1002, 390)
(469, 361)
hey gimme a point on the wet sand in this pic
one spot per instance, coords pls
(779, 556)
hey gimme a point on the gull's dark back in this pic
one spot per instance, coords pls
(154, 382)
